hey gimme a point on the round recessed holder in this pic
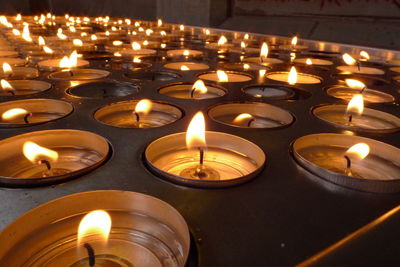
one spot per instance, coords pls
(79, 74)
(185, 91)
(371, 120)
(97, 55)
(185, 53)
(137, 53)
(263, 61)
(233, 77)
(186, 66)
(302, 78)
(20, 73)
(293, 48)
(315, 61)
(103, 89)
(228, 160)
(162, 76)
(25, 87)
(10, 53)
(34, 111)
(323, 155)
(394, 69)
(251, 115)
(78, 153)
(243, 66)
(54, 64)
(13, 61)
(362, 70)
(145, 231)
(368, 80)
(369, 95)
(122, 114)
(273, 92)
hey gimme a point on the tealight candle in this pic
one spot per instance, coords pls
(51, 156)
(29, 112)
(18, 73)
(251, 115)
(394, 69)
(138, 114)
(152, 75)
(79, 74)
(184, 53)
(4, 53)
(53, 64)
(325, 155)
(225, 76)
(242, 66)
(137, 50)
(102, 89)
(314, 61)
(293, 77)
(23, 87)
(198, 90)
(293, 45)
(188, 65)
(13, 61)
(277, 92)
(263, 61)
(205, 159)
(370, 95)
(360, 70)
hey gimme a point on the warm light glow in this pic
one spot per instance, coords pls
(7, 68)
(364, 55)
(294, 41)
(13, 113)
(222, 76)
(163, 45)
(196, 132)
(117, 43)
(207, 31)
(246, 66)
(242, 117)
(264, 50)
(159, 22)
(26, 34)
(136, 60)
(186, 53)
(145, 43)
(34, 153)
(143, 106)
(137, 24)
(136, 46)
(93, 37)
(149, 32)
(163, 33)
(16, 32)
(349, 60)
(117, 54)
(292, 77)
(261, 73)
(358, 152)
(355, 84)
(184, 68)
(18, 17)
(97, 222)
(77, 42)
(243, 44)
(222, 40)
(308, 61)
(72, 29)
(107, 33)
(64, 62)
(246, 36)
(182, 28)
(41, 41)
(200, 87)
(356, 104)
(6, 85)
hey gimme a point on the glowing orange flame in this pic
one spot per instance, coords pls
(143, 106)
(13, 113)
(16, 32)
(41, 41)
(26, 34)
(6, 85)
(186, 53)
(117, 43)
(184, 68)
(246, 66)
(159, 22)
(349, 60)
(261, 73)
(242, 117)
(117, 54)
(149, 32)
(246, 36)
(163, 45)
(97, 222)
(207, 32)
(93, 37)
(18, 17)
(355, 84)
(358, 152)
(77, 42)
(243, 44)
(222, 76)
(292, 77)
(196, 132)
(200, 87)
(136, 46)
(294, 41)
(182, 28)
(136, 60)
(145, 43)
(356, 104)
(7, 68)
(222, 40)
(364, 55)
(163, 33)
(34, 153)
(264, 50)
(309, 61)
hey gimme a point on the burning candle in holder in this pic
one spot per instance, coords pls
(199, 90)
(292, 77)
(103, 89)
(79, 74)
(251, 115)
(29, 112)
(354, 66)
(293, 46)
(272, 92)
(95, 229)
(355, 117)
(204, 159)
(356, 87)
(243, 66)
(263, 59)
(186, 66)
(78, 152)
(313, 61)
(151, 76)
(136, 51)
(18, 73)
(22, 87)
(350, 161)
(222, 45)
(184, 53)
(225, 76)
(65, 63)
(138, 114)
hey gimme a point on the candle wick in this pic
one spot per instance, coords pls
(350, 117)
(201, 157)
(137, 116)
(192, 92)
(26, 118)
(91, 255)
(362, 90)
(70, 73)
(359, 65)
(250, 122)
(11, 92)
(348, 166)
(45, 162)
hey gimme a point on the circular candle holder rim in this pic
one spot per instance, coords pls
(326, 88)
(354, 128)
(13, 125)
(49, 85)
(224, 63)
(181, 110)
(170, 73)
(203, 183)
(298, 158)
(358, 76)
(68, 90)
(190, 62)
(227, 72)
(72, 78)
(191, 83)
(299, 73)
(256, 103)
(288, 88)
(15, 182)
(360, 73)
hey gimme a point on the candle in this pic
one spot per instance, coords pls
(198, 90)
(324, 155)
(314, 61)
(108, 237)
(347, 93)
(13, 61)
(395, 69)
(251, 115)
(225, 76)
(152, 76)
(293, 45)
(205, 159)
(301, 78)
(17, 73)
(52, 64)
(222, 45)
(276, 92)
(138, 114)
(189, 65)
(79, 74)
(4, 53)
(184, 53)
(102, 89)
(44, 168)
(136, 50)
(242, 66)
(361, 70)
(29, 112)
(23, 87)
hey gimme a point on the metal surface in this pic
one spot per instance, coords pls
(282, 217)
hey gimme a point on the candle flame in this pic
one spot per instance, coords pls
(16, 32)
(292, 78)
(246, 66)
(356, 104)
(184, 68)
(163, 33)
(5, 85)
(41, 41)
(7, 68)
(207, 31)
(242, 117)
(222, 76)
(196, 132)
(159, 22)
(349, 60)
(26, 34)
(163, 45)
(143, 106)
(136, 60)
(264, 50)
(364, 55)
(93, 37)
(77, 42)
(309, 61)
(200, 87)
(355, 84)
(117, 54)
(358, 152)
(186, 53)
(107, 33)
(18, 17)
(34, 153)
(117, 43)
(261, 73)
(246, 36)
(13, 113)
(136, 46)
(145, 43)
(222, 40)
(72, 29)
(243, 44)
(149, 32)
(97, 222)
(182, 28)
(294, 41)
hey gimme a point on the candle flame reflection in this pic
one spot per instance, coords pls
(97, 222)
(196, 132)
(184, 68)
